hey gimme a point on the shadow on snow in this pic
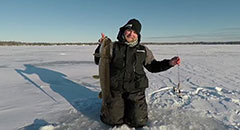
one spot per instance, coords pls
(81, 98)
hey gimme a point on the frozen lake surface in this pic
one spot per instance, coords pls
(51, 87)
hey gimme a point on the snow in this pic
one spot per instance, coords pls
(51, 88)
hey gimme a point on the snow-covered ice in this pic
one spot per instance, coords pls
(51, 88)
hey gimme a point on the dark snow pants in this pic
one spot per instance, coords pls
(128, 108)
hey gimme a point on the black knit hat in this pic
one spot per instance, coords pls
(133, 24)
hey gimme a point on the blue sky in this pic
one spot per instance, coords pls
(84, 20)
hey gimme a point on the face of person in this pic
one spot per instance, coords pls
(130, 35)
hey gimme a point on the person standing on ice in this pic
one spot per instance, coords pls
(128, 80)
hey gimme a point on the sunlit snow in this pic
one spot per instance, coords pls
(52, 88)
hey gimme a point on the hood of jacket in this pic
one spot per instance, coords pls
(121, 37)
(133, 24)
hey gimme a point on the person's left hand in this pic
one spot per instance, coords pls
(175, 61)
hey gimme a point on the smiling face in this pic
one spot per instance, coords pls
(130, 35)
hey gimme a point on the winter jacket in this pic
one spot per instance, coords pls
(127, 65)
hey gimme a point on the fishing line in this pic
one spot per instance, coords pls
(176, 89)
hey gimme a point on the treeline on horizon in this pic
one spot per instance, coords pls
(14, 43)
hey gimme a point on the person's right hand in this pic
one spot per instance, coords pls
(101, 39)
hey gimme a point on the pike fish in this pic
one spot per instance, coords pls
(104, 69)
